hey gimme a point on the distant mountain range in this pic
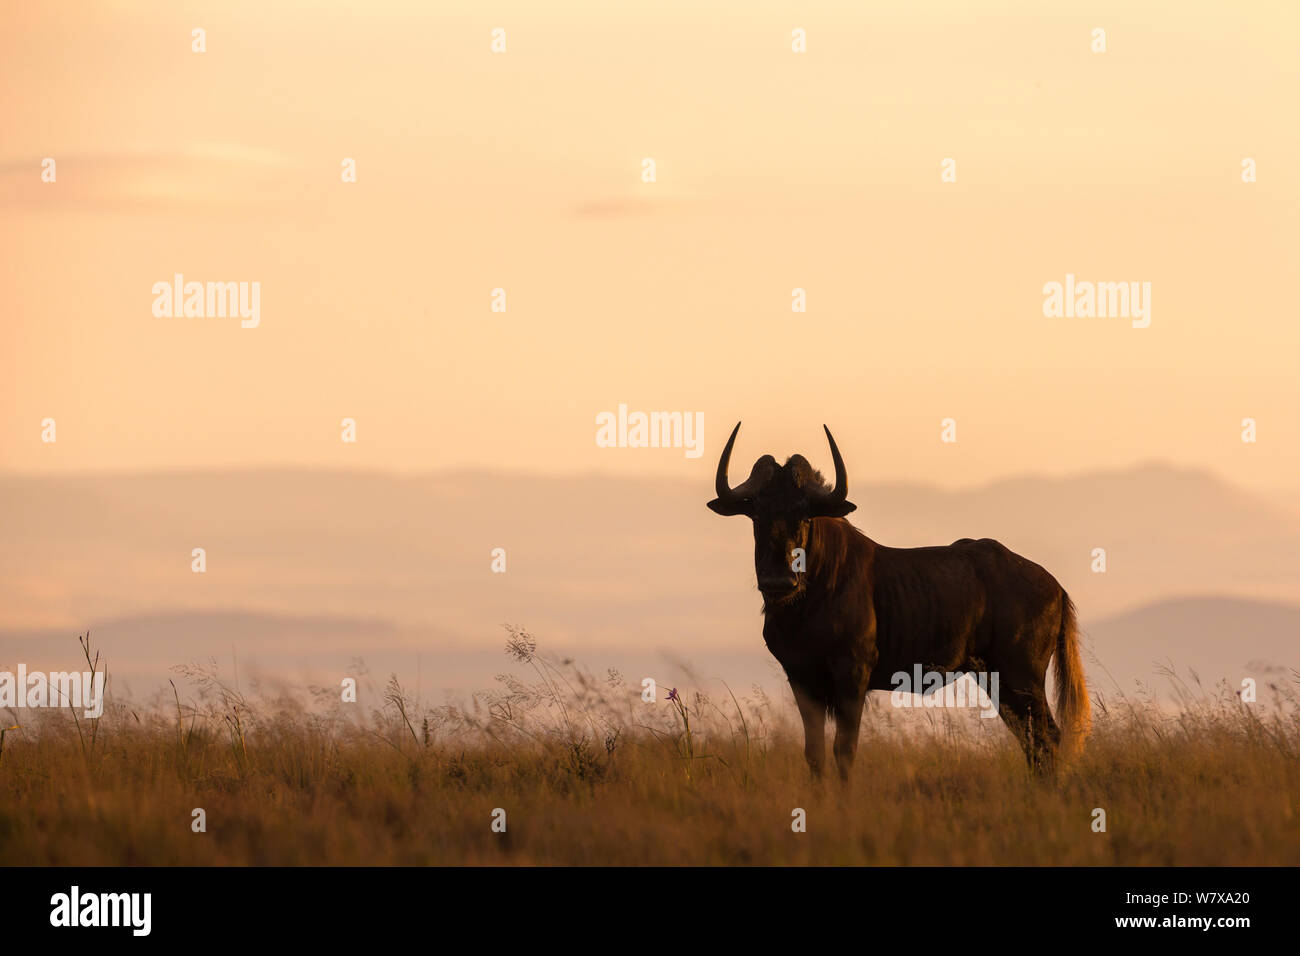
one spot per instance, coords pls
(307, 571)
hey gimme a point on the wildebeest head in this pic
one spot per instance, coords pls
(781, 500)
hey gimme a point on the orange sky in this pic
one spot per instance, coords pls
(775, 170)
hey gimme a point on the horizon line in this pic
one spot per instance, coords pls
(479, 471)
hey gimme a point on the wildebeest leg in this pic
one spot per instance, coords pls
(813, 713)
(1025, 711)
(848, 721)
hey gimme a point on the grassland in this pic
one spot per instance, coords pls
(589, 773)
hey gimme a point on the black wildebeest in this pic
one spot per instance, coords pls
(859, 612)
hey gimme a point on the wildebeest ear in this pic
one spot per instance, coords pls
(729, 508)
(832, 509)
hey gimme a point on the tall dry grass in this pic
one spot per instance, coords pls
(588, 773)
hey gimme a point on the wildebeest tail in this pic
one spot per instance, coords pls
(1073, 710)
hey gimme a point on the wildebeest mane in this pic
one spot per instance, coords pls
(806, 476)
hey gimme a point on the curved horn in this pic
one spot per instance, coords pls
(835, 502)
(720, 485)
(841, 489)
(736, 501)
